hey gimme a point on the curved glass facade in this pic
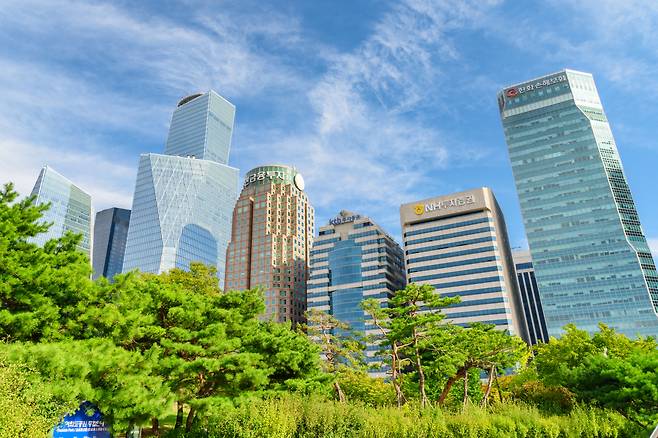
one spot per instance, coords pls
(184, 199)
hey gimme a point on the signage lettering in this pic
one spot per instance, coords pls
(262, 176)
(343, 220)
(444, 205)
(515, 91)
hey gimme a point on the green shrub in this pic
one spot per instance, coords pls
(296, 417)
(27, 408)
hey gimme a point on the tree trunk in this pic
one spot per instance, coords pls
(500, 393)
(446, 389)
(155, 427)
(421, 373)
(190, 419)
(489, 383)
(339, 392)
(130, 428)
(399, 395)
(179, 415)
(465, 389)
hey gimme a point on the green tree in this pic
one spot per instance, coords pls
(480, 347)
(390, 347)
(121, 383)
(212, 347)
(416, 322)
(340, 347)
(606, 369)
(41, 288)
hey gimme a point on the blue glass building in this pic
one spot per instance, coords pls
(70, 208)
(184, 199)
(590, 255)
(110, 233)
(354, 259)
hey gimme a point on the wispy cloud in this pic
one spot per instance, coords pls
(93, 84)
(367, 149)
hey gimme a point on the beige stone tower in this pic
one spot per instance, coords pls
(271, 238)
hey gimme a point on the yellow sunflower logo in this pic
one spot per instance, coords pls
(419, 209)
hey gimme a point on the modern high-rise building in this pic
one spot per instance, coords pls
(534, 314)
(110, 233)
(70, 208)
(354, 259)
(183, 199)
(591, 258)
(458, 244)
(271, 239)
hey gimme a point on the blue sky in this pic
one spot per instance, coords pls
(376, 102)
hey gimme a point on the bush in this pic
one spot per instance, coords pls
(295, 417)
(27, 408)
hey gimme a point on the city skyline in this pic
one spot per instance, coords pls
(309, 90)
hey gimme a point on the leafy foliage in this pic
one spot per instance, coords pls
(314, 417)
(41, 288)
(28, 408)
(606, 369)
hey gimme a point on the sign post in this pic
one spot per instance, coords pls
(86, 422)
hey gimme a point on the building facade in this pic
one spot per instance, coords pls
(272, 233)
(532, 309)
(589, 252)
(354, 259)
(70, 208)
(110, 233)
(183, 199)
(458, 244)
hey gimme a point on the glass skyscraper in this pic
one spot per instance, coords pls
(591, 258)
(110, 233)
(184, 199)
(70, 208)
(353, 259)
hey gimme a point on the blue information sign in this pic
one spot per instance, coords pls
(86, 422)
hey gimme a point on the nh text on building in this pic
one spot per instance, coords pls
(458, 244)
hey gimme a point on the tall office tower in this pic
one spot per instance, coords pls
(590, 255)
(271, 239)
(534, 314)
(70, 208)
(183, 200)
(354, 259)
(458, 244)
(110, 233)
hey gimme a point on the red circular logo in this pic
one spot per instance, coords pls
(512, 92)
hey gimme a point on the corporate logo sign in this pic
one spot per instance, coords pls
(537, 85)
(272, 175)
(343, 220)
(446, 204)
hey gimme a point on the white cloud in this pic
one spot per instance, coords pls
(104, 179)
(65, 108)
(359, 139)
